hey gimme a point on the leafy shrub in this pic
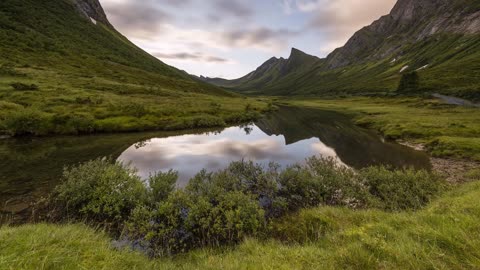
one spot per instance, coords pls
(24, 87)
(321, 181)
(100, 190)
(201, 121)
(73, 124)
(135, 109)
(26, 122)
(9, 70)
(409, 83)
(185, 221)
(224, 207)
(246, 177)
(162, 185)
(401, 189)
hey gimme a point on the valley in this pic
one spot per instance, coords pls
(365, 158)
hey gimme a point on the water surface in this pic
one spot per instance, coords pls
(31, 167)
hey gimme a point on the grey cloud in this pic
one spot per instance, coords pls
(178, 56)
(177, 3)
(215, 59)
(233, 7)
(191, 56)
(258, 36)
(134, 19)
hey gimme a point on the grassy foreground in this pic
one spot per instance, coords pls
(447, 131)
(445, 235)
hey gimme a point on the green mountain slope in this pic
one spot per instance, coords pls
(63, 58)
(438, 39)
(271, 72)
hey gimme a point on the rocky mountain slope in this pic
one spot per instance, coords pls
(438, 39)
(271, 71)
(64, 69)
(75, 37)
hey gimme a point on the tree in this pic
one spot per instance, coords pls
(409, 83)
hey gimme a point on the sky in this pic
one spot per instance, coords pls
(230, 38)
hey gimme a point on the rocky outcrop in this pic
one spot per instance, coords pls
(409, 21)
(92, 9)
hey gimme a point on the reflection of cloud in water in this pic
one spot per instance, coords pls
(189, 154)
(327, 152)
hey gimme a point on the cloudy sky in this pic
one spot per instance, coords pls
(230, 38)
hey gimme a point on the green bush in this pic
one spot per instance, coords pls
(162, 185)
(101, 191)
(9, 70)
(224, 207)
(134, 109)
(26, 122)
(401, 189)
(73, 124)
(321, 181)
(24, 87)
(409, 83)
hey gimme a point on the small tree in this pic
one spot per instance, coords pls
(409, 83)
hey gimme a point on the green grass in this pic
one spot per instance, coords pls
(78, 77)
(448, 131)
(453, 69)
(445, 235)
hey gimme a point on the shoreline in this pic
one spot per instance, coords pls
(454, 170)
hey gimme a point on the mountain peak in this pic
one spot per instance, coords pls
(296, 52)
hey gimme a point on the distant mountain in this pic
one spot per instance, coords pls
(439, 39)
(270, 72)
(74, 39)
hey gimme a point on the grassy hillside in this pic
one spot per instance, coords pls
(445, 235)
(270, 73)
(62, 73)
(447, 64)
(438, 39)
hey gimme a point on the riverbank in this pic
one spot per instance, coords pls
(445, 235)
(455, 171)
(447, 131)
(450, 134)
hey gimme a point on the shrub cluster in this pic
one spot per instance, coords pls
(24, 87)
(223, 207)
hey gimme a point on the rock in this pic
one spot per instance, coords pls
(409, 21)
(92, 10)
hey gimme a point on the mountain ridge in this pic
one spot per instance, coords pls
(438, 39)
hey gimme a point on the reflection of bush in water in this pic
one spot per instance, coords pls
(222, 208)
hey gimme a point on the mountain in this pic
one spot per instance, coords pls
(270, 72)
(65, 69)
(439, 39)
(75, 36)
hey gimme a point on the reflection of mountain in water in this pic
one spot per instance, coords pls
(355, 146)
(31, 167)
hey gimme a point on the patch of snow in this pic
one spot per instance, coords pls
(424, 67)
(93, 20)
(404, 68)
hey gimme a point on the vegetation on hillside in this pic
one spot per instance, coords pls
(62, 74)
(446, 64)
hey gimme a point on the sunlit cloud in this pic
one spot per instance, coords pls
(192, 33)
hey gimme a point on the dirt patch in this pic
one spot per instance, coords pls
(454, 170)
